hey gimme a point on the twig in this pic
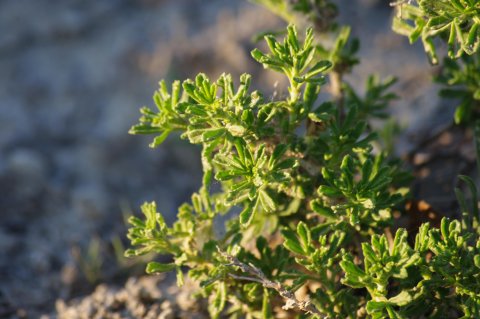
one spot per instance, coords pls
(400, 2)
(337, 91)
(291, 301)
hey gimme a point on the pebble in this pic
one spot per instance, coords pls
(27, 163)
(28, 169)
(7, 243)
(89, 201)
(139, 298)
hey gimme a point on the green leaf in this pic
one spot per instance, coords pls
(277, 154)
(354, 276)
(213, 133)
(155, 267)
(267, 202)
(461, 113)
(319, 67)
(319, 117)
(293, 38)
(310, 95)
(218, 303)
(405, 297)
(150, 212)
(247, 214)
(286, 164)
(266, 305)
(144, 129)
(328, 191)
(291, 242)
(401, 27)
(304, 235)
(375, 306)
(444, 228)
(259, 56)
(131, 253)
(227, 175)
(241, 150)
(159, 139)
(248, 117)
(477, 261)
(318, 207)
(180, 280)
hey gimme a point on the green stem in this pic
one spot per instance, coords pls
(294, 92)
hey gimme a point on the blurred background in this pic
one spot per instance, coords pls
(73, 74)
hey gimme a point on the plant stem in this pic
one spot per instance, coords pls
(259, 277)
(337, 91)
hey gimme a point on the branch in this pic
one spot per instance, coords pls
(400, 2)
(337, 91)
(259, 277)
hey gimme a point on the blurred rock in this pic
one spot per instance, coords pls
(139, 298)
(7, 244)
(27, 164)
(89, 201)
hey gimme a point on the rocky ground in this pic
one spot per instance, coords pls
(73, 74)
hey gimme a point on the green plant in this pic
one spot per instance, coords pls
(456, 21)
(301, 201)
(461, 81)
(438, 278)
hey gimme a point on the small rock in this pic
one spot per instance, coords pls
(166, 314)
(89, 200)
(7, 242)
(26, 161)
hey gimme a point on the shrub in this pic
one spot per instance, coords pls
(302, 202)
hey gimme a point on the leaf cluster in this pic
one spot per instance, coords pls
(455, 21)
(437, 277)
(294, 197)
(461, 81)
(276, 162)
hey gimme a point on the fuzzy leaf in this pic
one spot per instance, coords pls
(155, 267)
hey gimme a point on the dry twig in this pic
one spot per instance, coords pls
(259, 277)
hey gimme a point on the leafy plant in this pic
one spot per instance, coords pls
(302, 203)
(433, 279)
(461, 81)
(456, 21)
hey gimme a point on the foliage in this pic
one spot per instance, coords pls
(461, 81)
(295, 199)
(433, 279)
(456, 21)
